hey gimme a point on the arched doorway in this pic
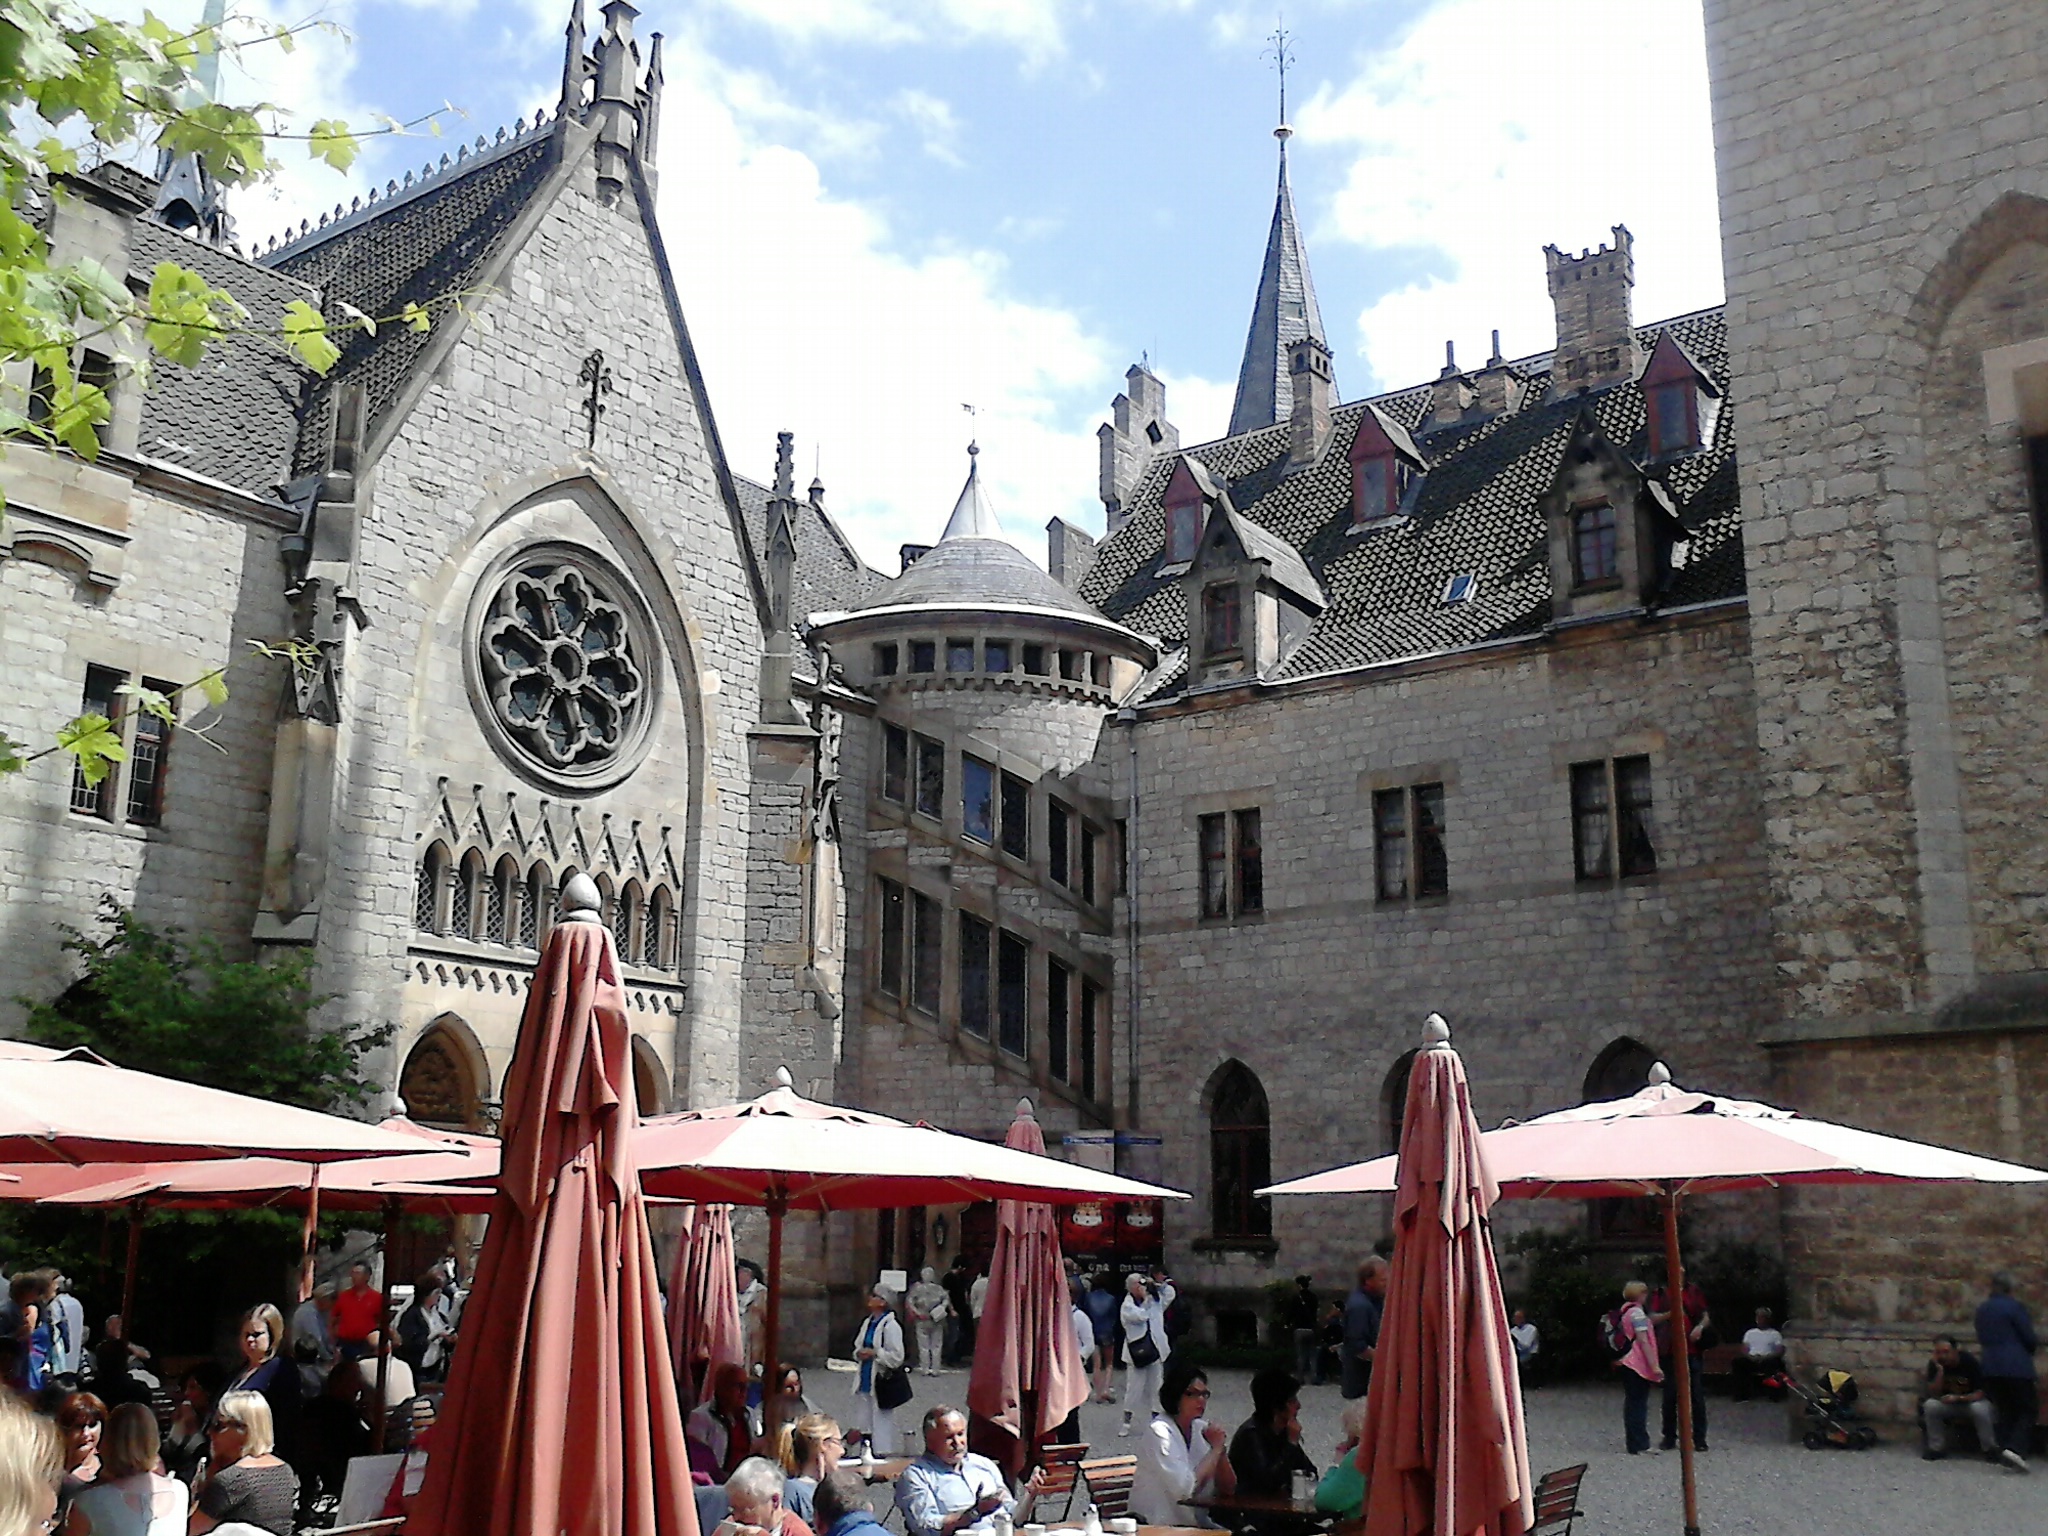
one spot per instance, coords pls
(650, 1079)
(442, 1082)
(1621, 1069)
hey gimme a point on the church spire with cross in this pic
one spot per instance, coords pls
(1285, 310)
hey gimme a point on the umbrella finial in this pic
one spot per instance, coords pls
(783, 1079)
(1024, 1109)
(580, 901)
(1435, 1032)
(1659, 1074)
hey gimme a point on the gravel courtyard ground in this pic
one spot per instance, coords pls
(1753, 1480)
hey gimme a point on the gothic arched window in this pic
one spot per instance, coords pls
(655, 946)
(1394, 1099)
(426, 892)
(1620, 1070)
(1240, 1155)
(625, 919)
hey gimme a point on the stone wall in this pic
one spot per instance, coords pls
(1324, 993)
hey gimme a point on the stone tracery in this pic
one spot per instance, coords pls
(558, 656)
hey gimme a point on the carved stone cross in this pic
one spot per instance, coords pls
(599, 380)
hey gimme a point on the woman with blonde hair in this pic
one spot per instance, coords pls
(809, 1449)
(267, 1369)
(131, 1497)
(1639, 1368)
(245, 1480)
(31, 1462)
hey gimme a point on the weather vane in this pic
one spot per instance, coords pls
(1282, 55)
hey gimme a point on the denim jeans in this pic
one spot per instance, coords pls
(1699, 1405)
(1308, 1356)
(1635, 1411)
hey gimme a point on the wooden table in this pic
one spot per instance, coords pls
(1143, 1530)
(1261, 1504)
(886, 1469)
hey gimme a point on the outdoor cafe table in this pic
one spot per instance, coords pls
(1261, 1504)
(885, 1469)
(1143, 1530)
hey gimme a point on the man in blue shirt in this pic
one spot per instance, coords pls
(841, 1506)
(1362, 1325)
(949, 1491)
(2005, 1350)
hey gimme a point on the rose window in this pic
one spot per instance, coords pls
(558, 658)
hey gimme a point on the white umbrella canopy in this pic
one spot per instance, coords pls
(1665, 1139)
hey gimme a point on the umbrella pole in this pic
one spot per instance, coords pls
(135, 1209)
(383, 1336)
(306, 1231)
(771, 1332)
(1681, 1362)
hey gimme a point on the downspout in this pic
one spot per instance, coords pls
(1128, 719)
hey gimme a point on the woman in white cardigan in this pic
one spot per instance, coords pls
(1180, 1454)
(1144, 1318)
(877, 1347)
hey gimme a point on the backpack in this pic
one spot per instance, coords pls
(1614, 1334)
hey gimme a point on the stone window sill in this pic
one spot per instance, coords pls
(1258, 1247)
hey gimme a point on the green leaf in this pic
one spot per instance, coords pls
(11, 760)
(212, 687)
(415, 318)
(91, 739)
(150, 701)
(284, 40)
(369, 326)
(305, 336)
(331, 141)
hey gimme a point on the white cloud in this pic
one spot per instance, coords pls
(811, 316)
(1032, 27)
(1494, 127)
(937, 127)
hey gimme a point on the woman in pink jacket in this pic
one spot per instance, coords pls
(1639, 1368)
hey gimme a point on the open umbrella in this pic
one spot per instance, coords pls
(1667, 1143)
(1027, 1374)
(1443, 1451)
(788, 1153)
(560, 1417)
(703, 1306)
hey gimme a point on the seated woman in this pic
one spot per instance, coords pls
(787, 1403)
(1266, 1452)
(809, 1450)
(246, 1481)
(754, 1494)
(1180, 1453)
(724, 1426)
(131, 1497)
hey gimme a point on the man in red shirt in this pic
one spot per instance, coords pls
(357, 1313)
(1694, 1327)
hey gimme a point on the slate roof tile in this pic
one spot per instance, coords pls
(1474, 511)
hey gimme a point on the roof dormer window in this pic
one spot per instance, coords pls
(1183, 528)
(1674, 418)
(1222, 631)
(1383, 462)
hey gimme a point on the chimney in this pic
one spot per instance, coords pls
(1498, 386)
(1138, 429)
(1313, 382)
(910, 554)
(1596, 338)
(1068, 553)
(1449, 395)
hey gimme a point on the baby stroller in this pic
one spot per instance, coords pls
(1830, 1409)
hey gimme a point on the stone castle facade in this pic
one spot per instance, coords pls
(1671, 694)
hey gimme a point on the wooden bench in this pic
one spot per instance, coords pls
(1557, 1500)
(1061, 1465)
(1109, 1484)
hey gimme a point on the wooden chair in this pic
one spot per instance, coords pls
(1557, 1501)
(1062, 1467)
(1109, 1484)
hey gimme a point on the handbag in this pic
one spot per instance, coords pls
(1141, 1351)
(892, 1387)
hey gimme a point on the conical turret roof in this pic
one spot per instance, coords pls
(1284, 312)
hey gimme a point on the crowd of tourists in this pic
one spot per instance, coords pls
(136, 1450)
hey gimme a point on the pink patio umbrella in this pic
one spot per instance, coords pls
(1443, 1451)
(786, 1153)
(1666, 1142)
(1027, 1374)
(703, 1305)
(560, 1417)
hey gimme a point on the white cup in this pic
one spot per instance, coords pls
(1123, 1525)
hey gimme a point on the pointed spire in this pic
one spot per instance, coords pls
(187, 196)
(1284, 312)
(971, 517)
(575, 67)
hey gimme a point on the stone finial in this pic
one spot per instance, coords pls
(783, 1079)
(574, 66)
(1024, 1110)
(1436, 1031)
(580, 902)
(785, 464)
(1659, 1074)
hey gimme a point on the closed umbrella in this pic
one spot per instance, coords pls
(786, 1153)
(1027, 1374)
(560, 1417)
(703, 1306)
(1443, 1451)
(1668, 1142)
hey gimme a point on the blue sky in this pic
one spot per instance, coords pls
(882, 209)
